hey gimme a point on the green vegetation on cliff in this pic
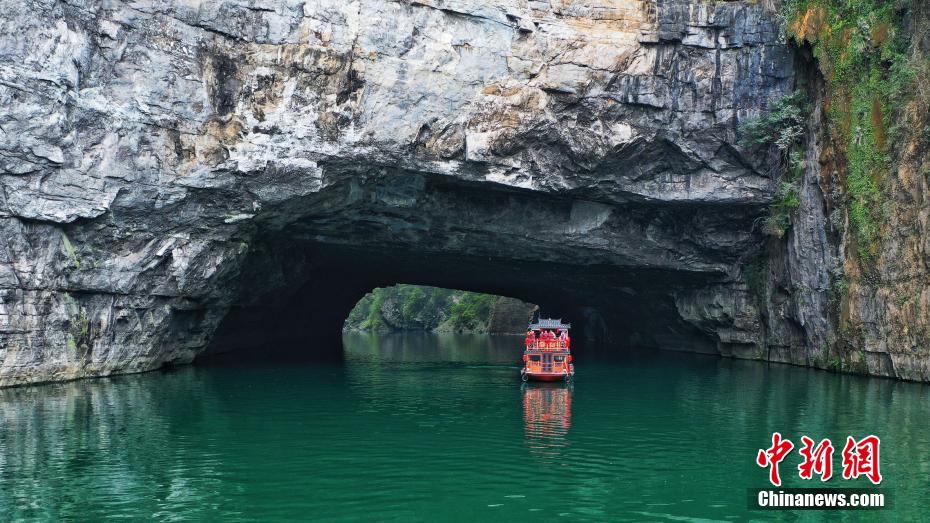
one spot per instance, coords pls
(862, 51)
(783, 127)
(415, 307)
(873, 63)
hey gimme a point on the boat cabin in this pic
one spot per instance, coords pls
(547, 351)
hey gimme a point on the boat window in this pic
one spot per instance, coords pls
(534, 358)
(560, 358)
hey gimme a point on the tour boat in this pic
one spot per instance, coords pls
(547, 354)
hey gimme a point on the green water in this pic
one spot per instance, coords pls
(440, 428)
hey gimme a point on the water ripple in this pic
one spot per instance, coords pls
(435, 429)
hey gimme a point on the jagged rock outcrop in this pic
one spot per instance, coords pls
(167, 165)
(510, 316)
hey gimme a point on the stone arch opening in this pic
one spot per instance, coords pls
(629, 274)
(423, 308)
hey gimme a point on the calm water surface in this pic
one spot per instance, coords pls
(427, 427)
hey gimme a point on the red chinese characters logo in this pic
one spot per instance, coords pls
(860, 458)
(819, 460)
(773, 455)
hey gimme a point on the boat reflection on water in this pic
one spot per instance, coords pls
(547, 416)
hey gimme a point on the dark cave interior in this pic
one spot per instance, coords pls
(288, 319)
(614, 269)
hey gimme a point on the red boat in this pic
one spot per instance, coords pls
(547, 355)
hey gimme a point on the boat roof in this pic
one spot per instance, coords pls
(550, 323)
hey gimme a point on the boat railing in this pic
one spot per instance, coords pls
(547, 345)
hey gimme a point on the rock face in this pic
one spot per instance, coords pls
(849, 288)
(510, 316)
(395, 319)
(179, 172)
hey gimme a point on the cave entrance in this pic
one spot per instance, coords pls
(630, 274)
(417, 324)
(420, 308)
(295, 298)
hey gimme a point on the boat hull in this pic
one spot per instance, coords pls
(546, 376)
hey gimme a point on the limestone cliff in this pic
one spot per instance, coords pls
(510, 316)
(176, 174)
(855, 276)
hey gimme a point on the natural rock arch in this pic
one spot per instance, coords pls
(165, 165)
